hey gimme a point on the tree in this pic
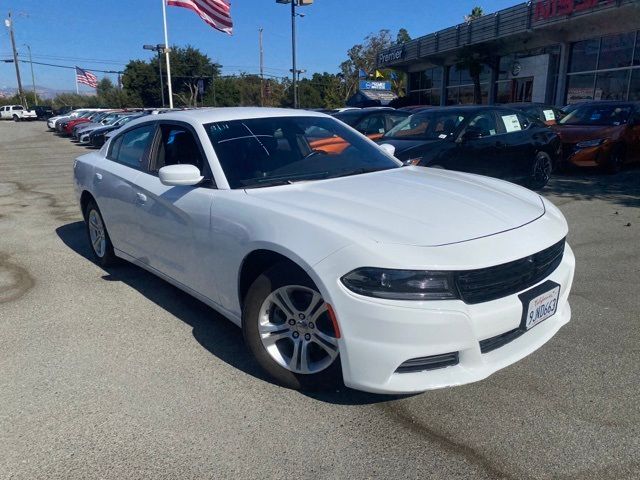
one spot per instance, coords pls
(473, 60)
(365, 56)
(141, 82)
(476, 12)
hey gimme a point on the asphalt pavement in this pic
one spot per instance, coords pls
(116, 374)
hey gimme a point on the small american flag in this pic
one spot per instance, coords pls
(86, 77)
(216, 13)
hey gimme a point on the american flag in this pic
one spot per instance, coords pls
(216, 13)
(86, 77)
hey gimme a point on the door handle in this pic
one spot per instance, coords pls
(141, 198)
(98, 177)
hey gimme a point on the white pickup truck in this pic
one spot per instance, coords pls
(17, 113)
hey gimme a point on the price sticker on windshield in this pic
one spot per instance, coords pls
(549, 116)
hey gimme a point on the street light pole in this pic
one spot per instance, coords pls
(33, 77)
(159, 49)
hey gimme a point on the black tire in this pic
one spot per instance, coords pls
(276, 277)
(103, 257)
(541, 170)
(16, 118)
(616, 161)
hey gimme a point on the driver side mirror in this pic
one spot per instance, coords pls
(180, 175)
(388, 148)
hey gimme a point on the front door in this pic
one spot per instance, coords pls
(175, 220)
(479, 146)
(522, 90)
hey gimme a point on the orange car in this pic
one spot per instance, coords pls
(602, 134)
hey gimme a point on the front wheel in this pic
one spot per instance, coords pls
(616, 160)
(16, 118)
(541, 171)
(288, 329)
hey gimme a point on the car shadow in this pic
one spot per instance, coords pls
(588, 184)
(210, 329)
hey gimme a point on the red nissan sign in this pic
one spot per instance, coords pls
(545, 9)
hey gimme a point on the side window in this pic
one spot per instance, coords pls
(483, 125)
(177, 146)
(132, 147)
(371, 125)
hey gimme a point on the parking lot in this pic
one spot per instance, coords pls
(117, 374)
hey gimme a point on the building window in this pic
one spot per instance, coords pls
(616, 51)
(634, 88)
(612, 85)
(580, 88)
(604, 68)
(425, 86)
(584, 55)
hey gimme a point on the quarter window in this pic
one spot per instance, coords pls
(132, 147)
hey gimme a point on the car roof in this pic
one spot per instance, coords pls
(225, 114)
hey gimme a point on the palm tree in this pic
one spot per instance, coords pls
(476, 13)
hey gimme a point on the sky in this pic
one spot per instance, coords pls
(106, 34)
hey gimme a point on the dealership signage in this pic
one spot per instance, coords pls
(391, 55)
(547, 9)
(371, 85)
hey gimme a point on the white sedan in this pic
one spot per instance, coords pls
(337, 262)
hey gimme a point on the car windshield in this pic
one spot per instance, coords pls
(262, 152)
(432, 125)
(598, 115)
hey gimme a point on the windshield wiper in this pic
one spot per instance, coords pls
(359, 171)
(283, 179)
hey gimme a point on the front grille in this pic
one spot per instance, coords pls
(428, 363)
(486, 284)
(498, 341)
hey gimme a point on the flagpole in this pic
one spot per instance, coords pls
(166, 52)
(75, 71)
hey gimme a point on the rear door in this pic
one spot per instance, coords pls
(114, 181)
(175, 220)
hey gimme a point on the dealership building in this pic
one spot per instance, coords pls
(550, 51)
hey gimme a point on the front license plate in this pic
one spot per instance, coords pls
(539, 304)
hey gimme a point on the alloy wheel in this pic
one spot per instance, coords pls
(97, 234)
(296, 331)
(542, 170)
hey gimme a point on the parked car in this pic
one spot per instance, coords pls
(372, 122)
(101, 119)
(98, 137)
(494, 141)
(53, 122)
(66, 127)
(601, 134)
(335, 265)
(17, 113)
(43, 112)
(83, 132)
(547, 114)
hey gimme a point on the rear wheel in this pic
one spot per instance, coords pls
(541, 171)
(98, 236)
(287, 328)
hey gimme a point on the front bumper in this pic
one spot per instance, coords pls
(380, 335)
(586, 157)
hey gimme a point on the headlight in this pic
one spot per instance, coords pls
(401, 284)
(591, 143)
(412, 161)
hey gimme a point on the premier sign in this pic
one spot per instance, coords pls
(547, 9)
(391, 55)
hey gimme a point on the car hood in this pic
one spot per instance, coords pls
(408, 206)
(405, 147)
(581, 133)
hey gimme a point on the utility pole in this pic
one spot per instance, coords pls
(293, 53)
(33, 77)
(261, 69)
(159, 49)
(9, 24)
(166, 53)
